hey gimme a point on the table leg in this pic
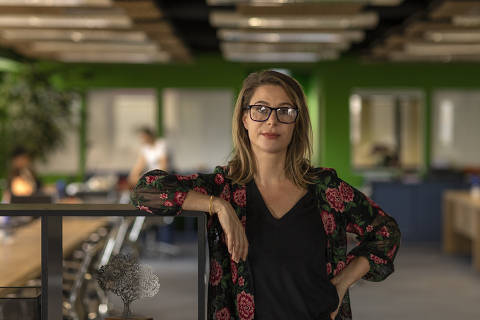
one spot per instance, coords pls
(453, 242)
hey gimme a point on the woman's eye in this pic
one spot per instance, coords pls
(262, 109)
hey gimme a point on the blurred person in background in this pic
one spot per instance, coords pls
(22, 180)
(153, 155)
(277, 225)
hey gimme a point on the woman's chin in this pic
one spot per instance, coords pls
(272, 149)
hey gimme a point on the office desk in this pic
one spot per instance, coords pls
(21, 255)
(461, 224)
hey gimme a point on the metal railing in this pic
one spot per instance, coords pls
(52, 253)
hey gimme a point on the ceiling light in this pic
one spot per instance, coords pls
(13, 35)
(114, 57)
(66, 21)
(235, 20)
(466, 20)
(426, 48)
(56, 46)
(404, 56)
(289, 36)
(270, 2)
(279, 56)
(57, 3)
(280, 47)
(453, 36)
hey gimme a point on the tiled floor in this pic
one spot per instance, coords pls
(426, 285)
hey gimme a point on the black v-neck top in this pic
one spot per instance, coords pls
(287, 258)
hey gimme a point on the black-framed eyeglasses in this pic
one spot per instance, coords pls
(262, 113)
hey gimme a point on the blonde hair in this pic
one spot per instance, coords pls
(242, 167)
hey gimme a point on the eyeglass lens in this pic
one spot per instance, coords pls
(284, 114)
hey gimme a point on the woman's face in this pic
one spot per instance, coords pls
(270, 136)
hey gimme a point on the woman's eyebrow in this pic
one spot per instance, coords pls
(280, 104)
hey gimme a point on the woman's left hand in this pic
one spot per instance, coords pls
(341, 290)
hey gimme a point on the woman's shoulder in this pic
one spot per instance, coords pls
(221, 169)
(318, 174)
(323, 170)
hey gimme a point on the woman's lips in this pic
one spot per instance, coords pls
(270, 135)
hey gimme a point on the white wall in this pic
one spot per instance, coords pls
(197, 126)
(456, 130)
(114, 116)
(65, 160)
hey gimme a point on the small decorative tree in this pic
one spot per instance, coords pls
(128, 279)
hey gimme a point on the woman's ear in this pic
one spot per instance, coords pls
(245, 121)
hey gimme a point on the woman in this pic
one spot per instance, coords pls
(153, 155)
(277, 230)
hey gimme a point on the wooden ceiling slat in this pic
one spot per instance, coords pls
(300, 8)
(32, 10)
(451, 8)
(420, 27)
(140, 9)
(153, 27)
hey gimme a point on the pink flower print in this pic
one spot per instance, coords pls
(144, 208)
(377, 260)
(215, 272)
(340, 267)
(179, 197)
(346, 191)
(384, 232)
(200, 190)
(233, 266)
(240, 197)
(219, 178)
(151, 179)
(245, 306)
(335, 200)
(222, 314)
(392, 252)
(190, 177)
(350, 257)
(241, 281)
(329, 268)
(328, 222)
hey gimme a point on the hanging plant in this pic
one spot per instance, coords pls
(33, 114)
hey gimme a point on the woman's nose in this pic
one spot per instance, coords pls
(273, 118)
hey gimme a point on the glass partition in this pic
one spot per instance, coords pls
(455, 129)
(386, 130)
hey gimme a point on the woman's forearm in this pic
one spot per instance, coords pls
(353, 272)
(196, 201)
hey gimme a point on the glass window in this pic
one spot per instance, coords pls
(386, 129)
(455, 129)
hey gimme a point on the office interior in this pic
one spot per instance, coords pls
(393, 95)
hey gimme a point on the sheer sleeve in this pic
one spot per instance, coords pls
(377, 233)
(161, 193)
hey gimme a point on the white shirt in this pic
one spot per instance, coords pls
(153, 153)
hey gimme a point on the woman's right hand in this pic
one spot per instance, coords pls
(235, 236)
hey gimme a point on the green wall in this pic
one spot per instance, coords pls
(328, 86)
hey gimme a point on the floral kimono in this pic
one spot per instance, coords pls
(342, 208)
